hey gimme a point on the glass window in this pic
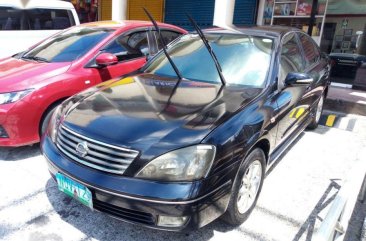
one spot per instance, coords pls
(41, 19)
(10, 18)
(131, 46)
(291, 58)
(168, 37)
(310, 50)
(35, 19)
(68, 45)
(238, 56)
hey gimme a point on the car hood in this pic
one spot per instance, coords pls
(17, 74)
(144, 112)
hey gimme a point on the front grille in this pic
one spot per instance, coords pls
(98, 155)
(123, 213)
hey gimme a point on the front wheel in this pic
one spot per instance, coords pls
(45, 119)
(246, 189)
(317, 114)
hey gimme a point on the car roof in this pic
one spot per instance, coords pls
(269, 30)
(128, 24)
(27, 4)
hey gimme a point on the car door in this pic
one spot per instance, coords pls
(293, 101)
(130, 49)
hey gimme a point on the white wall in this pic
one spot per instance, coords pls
(224, 12)
(119, 9)
(260, 12)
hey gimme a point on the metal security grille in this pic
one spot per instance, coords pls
(98, 155)
(245, 12)
(136, 12)
(202, 11)
(105, 10)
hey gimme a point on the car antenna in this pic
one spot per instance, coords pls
(164, 45)
(204, 40)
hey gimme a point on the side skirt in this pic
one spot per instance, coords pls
(278, 151)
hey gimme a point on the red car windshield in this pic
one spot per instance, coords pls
(68, 45)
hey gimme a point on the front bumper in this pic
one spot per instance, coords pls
(141, 201)
(20, 123)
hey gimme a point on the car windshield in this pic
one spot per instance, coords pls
(244, 59)
(68, 45)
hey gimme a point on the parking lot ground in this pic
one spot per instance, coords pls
(295, 197)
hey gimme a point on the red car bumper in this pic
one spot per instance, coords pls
(20, 122)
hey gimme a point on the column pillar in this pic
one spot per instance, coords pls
(119, 9)
(224, 12)
(260, 12)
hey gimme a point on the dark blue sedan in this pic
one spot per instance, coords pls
(189, 137)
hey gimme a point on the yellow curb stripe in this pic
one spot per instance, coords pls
(300, 112)
(330, 120)
(292, 113)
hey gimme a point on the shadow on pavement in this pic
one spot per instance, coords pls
(309, 224)
(19, 153)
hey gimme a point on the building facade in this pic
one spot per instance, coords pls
(338, 26)
(174, 11)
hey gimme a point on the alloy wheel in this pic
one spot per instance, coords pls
(319, 109)
(249, 187)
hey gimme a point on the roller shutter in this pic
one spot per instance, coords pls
(105, 9)
(245, 12)
(202, 11)
(135, 11)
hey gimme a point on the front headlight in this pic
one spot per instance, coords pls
(186, 164)
(6, 98)
(54, 123)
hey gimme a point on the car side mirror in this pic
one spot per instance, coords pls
(298, 79)
(106, 59)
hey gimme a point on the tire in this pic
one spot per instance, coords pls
(245, 193)
(317, 112)
(46, 119)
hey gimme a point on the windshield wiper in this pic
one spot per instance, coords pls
(208, 46)
(36, 58)
(164, 45)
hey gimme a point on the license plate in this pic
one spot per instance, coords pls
(75, 190)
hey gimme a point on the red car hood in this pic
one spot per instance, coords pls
(18, 74)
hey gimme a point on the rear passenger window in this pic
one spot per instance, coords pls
(168, 37)
(310, 49)
(35, 19)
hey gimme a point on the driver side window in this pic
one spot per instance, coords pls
(127, 47)
(291, 58)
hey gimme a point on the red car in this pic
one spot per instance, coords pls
(34, 82)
